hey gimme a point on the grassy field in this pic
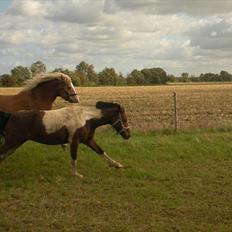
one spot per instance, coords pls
(176, 182)
(151, 107)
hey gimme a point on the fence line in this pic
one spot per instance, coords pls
(175, 111)
(175, 108)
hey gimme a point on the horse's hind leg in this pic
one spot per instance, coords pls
(64, 146)
(4, 151)
(7, 149)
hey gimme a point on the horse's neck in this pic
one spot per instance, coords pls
(104, 120)
(13, 103)
(43, 96)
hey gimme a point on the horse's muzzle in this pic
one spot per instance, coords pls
(125, 135)
(73, 98)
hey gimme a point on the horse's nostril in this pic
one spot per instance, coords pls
(73, 99)
(127, 136)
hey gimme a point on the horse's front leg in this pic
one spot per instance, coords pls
(74, 148)
(93, 145)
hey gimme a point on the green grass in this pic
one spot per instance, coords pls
(175, 182)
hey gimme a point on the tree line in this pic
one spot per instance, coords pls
(84, 74)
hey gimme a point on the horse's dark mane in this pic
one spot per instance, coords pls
(106, 105)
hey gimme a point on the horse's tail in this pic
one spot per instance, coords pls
(4, 117)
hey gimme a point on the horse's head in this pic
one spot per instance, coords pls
(66, 90)
(120, 124)
(116, 117)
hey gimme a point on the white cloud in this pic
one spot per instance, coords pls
(26, 8)
(120, 33)
(78, 11)
(197, 7)
(215, 33)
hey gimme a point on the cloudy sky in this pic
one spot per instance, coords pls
(177, 35)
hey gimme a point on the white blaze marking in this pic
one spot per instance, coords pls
(72, 118)
(73, 88)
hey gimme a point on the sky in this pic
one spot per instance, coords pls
(193, 36)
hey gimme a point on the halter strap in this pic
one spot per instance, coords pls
(124, 128)
(116, 122)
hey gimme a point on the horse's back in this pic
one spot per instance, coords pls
(22, 122)
(5, 102)
(13, 103)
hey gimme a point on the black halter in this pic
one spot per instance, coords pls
(124, 128)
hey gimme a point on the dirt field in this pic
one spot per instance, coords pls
(151, 107)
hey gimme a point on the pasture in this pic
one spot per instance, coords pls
(174, 182)
(178, 182)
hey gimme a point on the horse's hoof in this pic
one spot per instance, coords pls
(64, 146)
(119, 166)
(78, 175)
(116, 165)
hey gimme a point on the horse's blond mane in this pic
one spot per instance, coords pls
(31, 84)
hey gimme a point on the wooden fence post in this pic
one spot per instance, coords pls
(175, 112)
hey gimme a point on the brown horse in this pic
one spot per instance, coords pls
(40, 93)
(73, 125)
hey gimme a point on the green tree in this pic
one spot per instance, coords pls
(87, 73)
(82, 68)
(92, 75)
(135, 78)
(209, 77)
(8, 81)
(171, 78)
(161, 74)
(194, 78)
(20, 74)
(121, 79)
(37, 68)
(72, 74)
(225, 76)
(184, 77)
(154, 76)
(150, 76)
(108, 76)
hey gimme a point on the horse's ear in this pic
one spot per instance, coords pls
(121, 108)
(105, 105)
(117, 106)
(99, 105)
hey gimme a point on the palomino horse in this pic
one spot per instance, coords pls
(73, 125)
(40, 93)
